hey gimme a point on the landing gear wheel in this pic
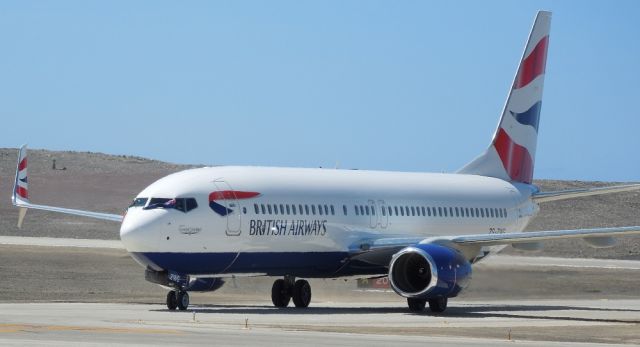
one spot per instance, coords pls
(438, 305)
(280, 294)
(172, 301)
(182, 300)
(301, 293)
(416, 305)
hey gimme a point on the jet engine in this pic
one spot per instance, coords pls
(427, 271)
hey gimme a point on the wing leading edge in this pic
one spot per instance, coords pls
(380, 251)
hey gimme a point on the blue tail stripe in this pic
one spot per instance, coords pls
(529, 117)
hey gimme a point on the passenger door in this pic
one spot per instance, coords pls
(234, 217)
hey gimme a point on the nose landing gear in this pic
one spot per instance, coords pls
(283, 290)
(177, 299)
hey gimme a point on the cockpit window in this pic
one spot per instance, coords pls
(138, 202)
(180, 204)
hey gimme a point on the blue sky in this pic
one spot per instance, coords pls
(406, 86)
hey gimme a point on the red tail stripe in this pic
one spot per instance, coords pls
(515, 158)
(533, 65)
(22, 192)
(231, 194)
(22, 165)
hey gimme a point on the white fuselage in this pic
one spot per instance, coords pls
(287, 212)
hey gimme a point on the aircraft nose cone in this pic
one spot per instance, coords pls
(135, 230)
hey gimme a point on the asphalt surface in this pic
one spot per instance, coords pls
(495, 323)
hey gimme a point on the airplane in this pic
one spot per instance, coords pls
(192, 229)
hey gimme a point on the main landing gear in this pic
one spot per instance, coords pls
(283, 290)
(177, 299)
(437, 305)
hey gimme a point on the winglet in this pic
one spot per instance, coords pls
(20, 196)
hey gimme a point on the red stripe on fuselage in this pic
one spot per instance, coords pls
(231, 194)
(515, 158)
(22, 165)
(533, 65)
(22, 192)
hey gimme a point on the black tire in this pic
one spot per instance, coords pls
(416, 305)
(438, 305)
(182, 300)
(280, 295)
(172, 301)
(301, 293)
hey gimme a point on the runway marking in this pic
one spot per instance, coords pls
(35, 328)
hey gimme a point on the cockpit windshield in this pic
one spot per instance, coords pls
(180, 204)
(138, 202)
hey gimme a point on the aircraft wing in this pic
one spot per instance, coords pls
(20, 196)
(578, 193)
(379, 251)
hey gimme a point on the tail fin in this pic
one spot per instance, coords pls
(20, 195)
(512, 151)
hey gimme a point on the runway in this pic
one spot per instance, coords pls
(90, 292)
(329, 323)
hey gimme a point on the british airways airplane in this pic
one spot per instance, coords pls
(192, 229)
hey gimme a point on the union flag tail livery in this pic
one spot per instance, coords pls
(21, 182)
(512, 152)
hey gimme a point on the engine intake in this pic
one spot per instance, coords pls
(428, 271)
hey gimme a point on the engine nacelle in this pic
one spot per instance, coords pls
(183, 282)
(427, 271)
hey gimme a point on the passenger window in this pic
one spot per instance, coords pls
(275, 209)
(288, 209)
(313, 210)
(390, 211)
(255, 206)
(366, 210)
(373, 211)
(362, 210)
(439, 211)
(306, 209)
(269, 208)
(320, 210)
(326, 210)
(424, 213)
(482, 212)
(356, 209)
(384, 211)
(263, 209)
(413, 211)
(300, 209)
(344, 209)
(457, 213)
(281, 209)
(293, 209)
(333, 212)
(396, 208)
(244, 210)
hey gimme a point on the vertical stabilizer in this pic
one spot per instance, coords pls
(511, 155)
